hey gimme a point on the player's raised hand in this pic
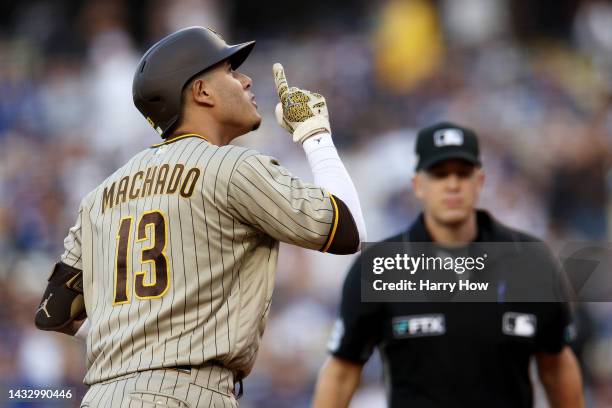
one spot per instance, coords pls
(302, 113)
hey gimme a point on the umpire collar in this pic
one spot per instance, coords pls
(489, 230)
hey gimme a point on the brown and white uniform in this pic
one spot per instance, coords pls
(178, 250)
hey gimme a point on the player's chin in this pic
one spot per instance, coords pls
(256, 122)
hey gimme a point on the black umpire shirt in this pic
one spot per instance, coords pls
(475, 362)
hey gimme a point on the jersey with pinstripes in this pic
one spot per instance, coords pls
(178, 250)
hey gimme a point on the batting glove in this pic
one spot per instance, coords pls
(300, 112)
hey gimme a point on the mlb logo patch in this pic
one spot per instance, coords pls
(519, 324)
(336, 336)
(418, 326)
(448, 137)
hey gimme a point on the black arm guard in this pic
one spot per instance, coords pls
(346, 240)
(63, 299)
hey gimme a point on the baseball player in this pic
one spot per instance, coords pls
(173, 257)
(443, 354)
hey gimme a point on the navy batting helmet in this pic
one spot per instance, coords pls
(170, 64)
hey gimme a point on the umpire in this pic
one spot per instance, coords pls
(474, 361)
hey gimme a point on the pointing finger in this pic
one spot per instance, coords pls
(280, 80)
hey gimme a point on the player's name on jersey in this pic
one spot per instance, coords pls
(151, 181)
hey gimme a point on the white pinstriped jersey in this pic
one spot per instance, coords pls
(178, 250)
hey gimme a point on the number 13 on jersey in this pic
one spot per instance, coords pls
(151, 227)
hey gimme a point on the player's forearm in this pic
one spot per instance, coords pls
(329, 172)
(560, 376)
(336, 384)
(304, 114)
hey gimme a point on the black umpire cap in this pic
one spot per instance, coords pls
(445, 141)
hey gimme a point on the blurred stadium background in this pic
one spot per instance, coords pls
(534, 78)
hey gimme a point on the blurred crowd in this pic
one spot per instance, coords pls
(535, 85)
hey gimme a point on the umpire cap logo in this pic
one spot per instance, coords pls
(448, 137)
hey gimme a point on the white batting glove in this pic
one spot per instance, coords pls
(300, 112)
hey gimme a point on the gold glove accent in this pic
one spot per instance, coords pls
(300, 112)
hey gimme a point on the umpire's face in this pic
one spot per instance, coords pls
(449, 190)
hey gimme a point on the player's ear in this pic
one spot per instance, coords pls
(201, 91)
